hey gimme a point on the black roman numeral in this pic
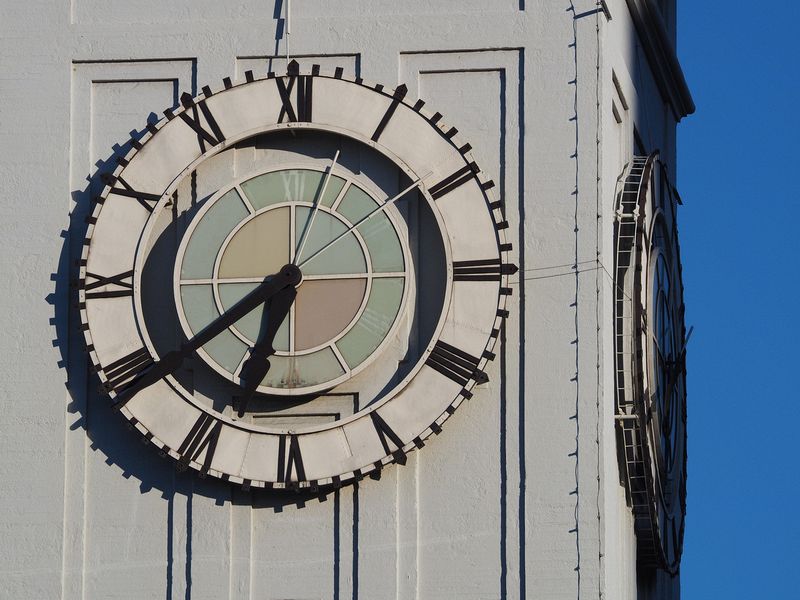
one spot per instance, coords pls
(126, 369)
(294, 464)
(203, 434)
(399, 94)
(204, 136)
(491, 269)
(384, 432)
(148, 201)
(451, 182)
(305, 85)
(455, 364)
(125, 287)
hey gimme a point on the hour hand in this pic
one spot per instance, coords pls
(288, 277)
(257, 366)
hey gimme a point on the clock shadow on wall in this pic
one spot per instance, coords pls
(89, 407)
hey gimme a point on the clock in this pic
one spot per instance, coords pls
(650, 347)
(293, 281)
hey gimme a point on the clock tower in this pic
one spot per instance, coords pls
(353, 299)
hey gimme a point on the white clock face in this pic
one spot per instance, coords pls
(401, 280)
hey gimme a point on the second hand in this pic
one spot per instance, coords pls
(378, 210)
(310, 222)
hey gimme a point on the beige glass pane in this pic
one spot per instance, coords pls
(345, 256)
(253, 322)
(376, 320)
(259, 248)
(211, 231)
(302, 371)
(291, 185)
(323, 309)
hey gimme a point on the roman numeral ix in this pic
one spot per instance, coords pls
(455, 364)
(124, 288)
(490, 269)
(203, 434)
(126, 369)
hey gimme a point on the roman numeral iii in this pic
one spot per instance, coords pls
(490, 269)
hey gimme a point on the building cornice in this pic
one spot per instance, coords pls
(661, 56)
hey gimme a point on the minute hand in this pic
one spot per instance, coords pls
(380, 209)
(288, 275)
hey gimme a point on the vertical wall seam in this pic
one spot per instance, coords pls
(598, 279)
(522, 344)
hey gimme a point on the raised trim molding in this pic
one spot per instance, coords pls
(662, 58)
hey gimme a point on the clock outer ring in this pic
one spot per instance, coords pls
(398, 455)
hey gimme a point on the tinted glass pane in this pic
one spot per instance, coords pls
(211, 231)
(373, 325)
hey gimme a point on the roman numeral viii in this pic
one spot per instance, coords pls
(124, 370)
(455, 364)
(203, 435)
(122, 287)
(490, 269)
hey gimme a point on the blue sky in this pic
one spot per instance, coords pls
(738, 176)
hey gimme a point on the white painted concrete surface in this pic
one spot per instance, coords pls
(518, 498)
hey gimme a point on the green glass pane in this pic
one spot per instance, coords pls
(200, 309)
(345, 256)
(373, 325)
(383, 244)
(293, 185)
(381, 238)
(227, 350)
(356, 204)
(211, 231)
(303, 371)
(198, 306)
(251, 324)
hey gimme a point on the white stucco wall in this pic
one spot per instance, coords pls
(519, 496)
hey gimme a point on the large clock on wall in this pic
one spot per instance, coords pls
(292, 281)
(650, 350)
